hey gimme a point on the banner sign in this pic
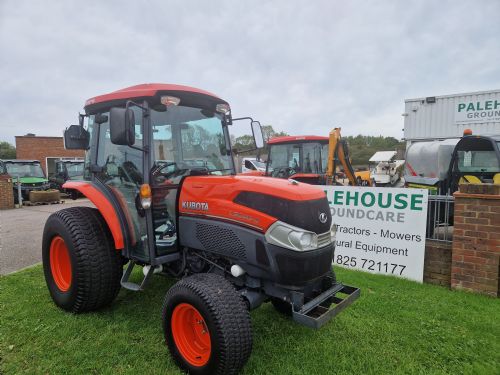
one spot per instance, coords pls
(379, 230)
(477, 111)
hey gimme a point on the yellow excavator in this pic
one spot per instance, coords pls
(313, 159)
(338, 151)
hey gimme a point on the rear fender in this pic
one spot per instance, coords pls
(103, 205)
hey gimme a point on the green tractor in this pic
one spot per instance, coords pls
(29, 173)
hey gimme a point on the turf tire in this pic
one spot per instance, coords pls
(95, 264)
(225, 315)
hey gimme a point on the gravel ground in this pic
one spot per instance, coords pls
(21, 234)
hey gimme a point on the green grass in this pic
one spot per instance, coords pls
(397, 326)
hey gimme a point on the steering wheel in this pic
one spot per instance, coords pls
(160, 173)
(283, 172)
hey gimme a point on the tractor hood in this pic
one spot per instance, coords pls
(32, 180)
(256, 202)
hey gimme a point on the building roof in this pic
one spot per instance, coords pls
(297, 139)
(454, 95)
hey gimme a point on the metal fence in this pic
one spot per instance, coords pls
(440, 218)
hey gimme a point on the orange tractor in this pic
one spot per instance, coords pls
(160, 172)
(313, 159)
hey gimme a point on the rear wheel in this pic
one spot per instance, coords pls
(82, 269)
(206, 325)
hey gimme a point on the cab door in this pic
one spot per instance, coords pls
(120, 171)
(166, 173)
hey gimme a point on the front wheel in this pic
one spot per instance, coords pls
(206, 325)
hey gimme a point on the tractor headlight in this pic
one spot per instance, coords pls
(304, 240)
(290, 237)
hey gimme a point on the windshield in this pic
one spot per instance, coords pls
(478, 161)
(75, 170)
(24, 170)
(308, 157)
(188, 138)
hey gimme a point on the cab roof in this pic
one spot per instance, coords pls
(298, 139)
(148, 90)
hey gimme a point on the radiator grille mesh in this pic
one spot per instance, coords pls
(220, 240)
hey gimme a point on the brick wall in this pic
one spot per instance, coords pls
(476, 239)
(6, 192)
(39, 148)
(437, 263)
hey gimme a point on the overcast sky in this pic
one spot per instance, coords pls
(303, 67)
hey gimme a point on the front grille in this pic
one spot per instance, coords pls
(324, 239)
(220, 240)
(300, 269)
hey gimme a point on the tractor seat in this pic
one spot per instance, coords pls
(468, 179)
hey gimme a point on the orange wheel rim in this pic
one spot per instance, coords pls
(60, 264)
(191, 335)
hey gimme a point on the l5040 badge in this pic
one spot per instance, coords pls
(198, 206)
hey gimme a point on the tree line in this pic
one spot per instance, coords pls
(362, 147)
(7, 151)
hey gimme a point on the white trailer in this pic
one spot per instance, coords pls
(447, 116)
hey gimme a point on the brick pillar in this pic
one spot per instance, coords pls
(476, 239)
(6, 192)
(437, 264)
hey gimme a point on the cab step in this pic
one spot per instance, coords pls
(125, 283)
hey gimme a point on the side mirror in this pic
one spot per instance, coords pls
(257, 134)
(76, 138)
(122, 126)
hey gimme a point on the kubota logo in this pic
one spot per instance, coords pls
(198, 206)
(323, 218)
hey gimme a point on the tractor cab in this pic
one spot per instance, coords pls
(143, 146)
(475, 160)
(313, 160)
(302, 158)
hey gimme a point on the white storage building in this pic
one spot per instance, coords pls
(447, 116)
